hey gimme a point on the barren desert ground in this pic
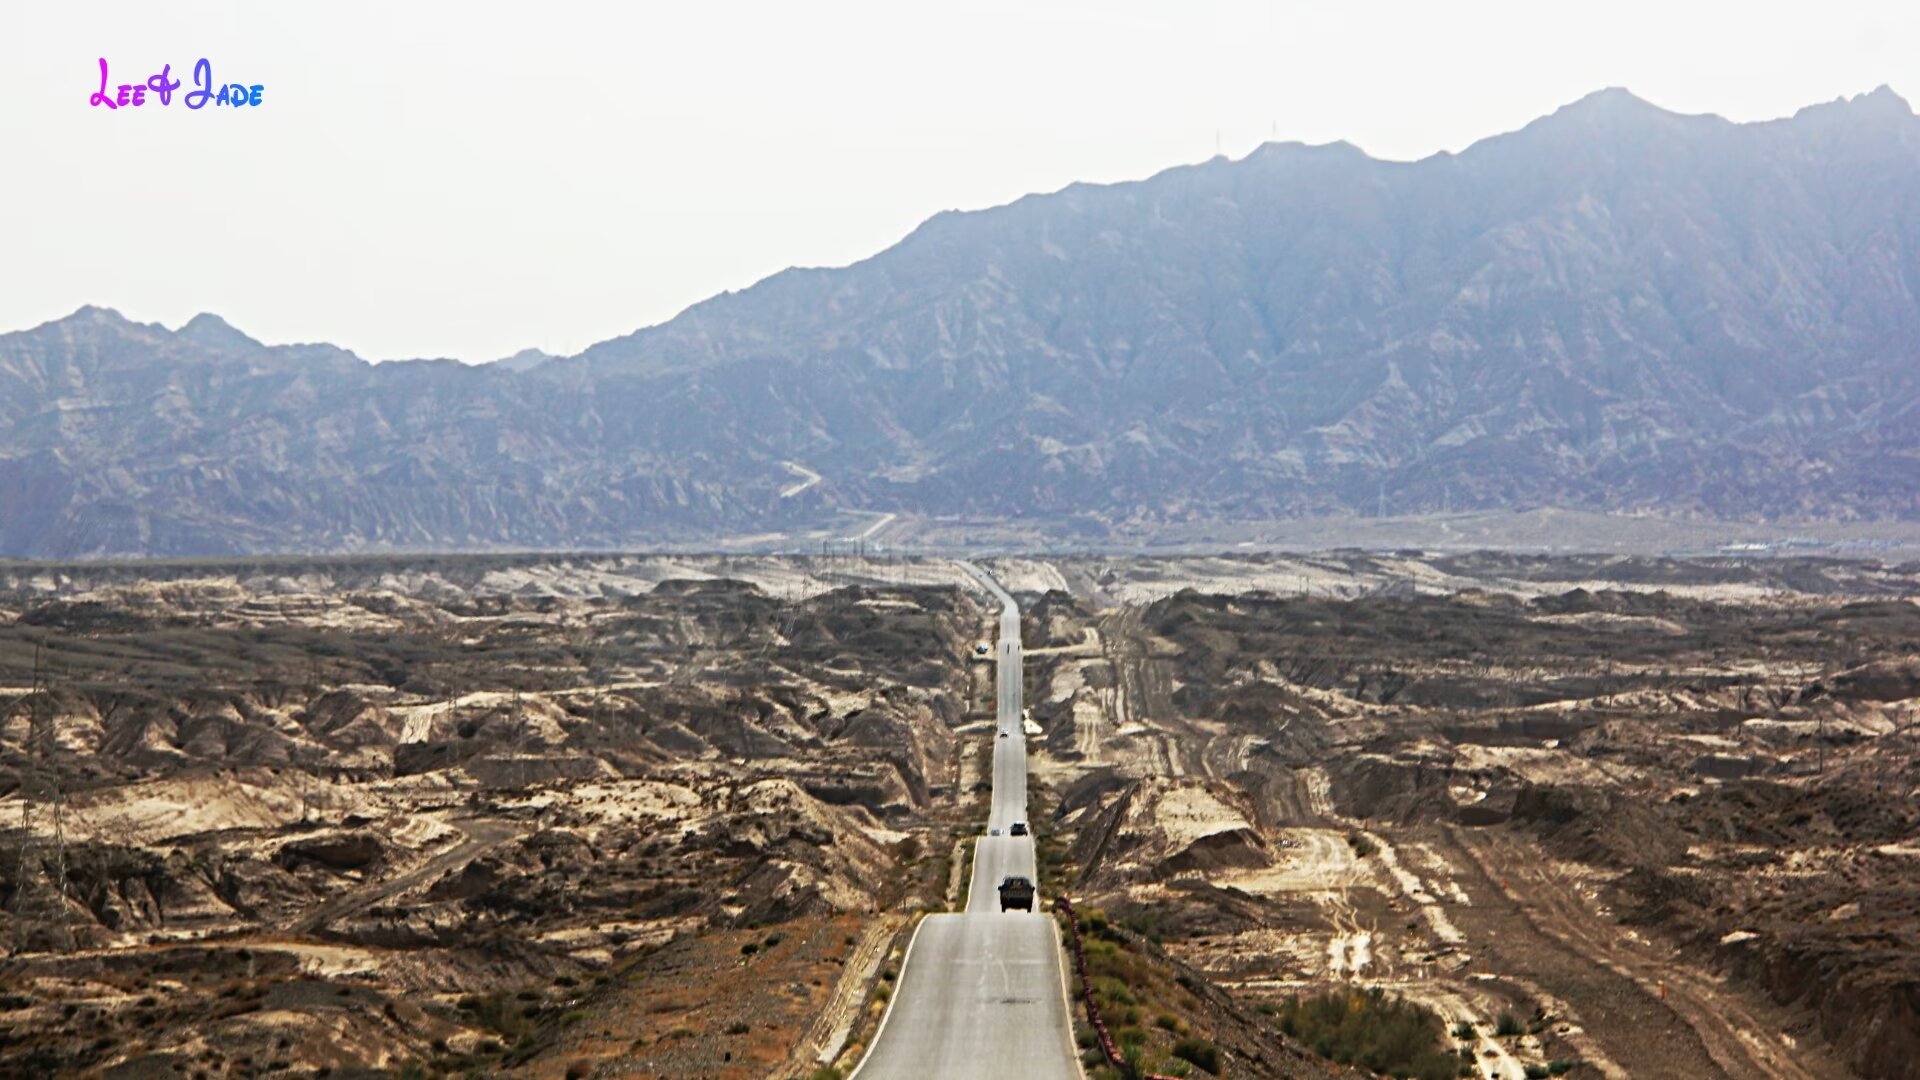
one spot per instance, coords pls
(675, 815)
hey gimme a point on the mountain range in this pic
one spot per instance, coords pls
(1616, 308)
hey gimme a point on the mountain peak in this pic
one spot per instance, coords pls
(91, 319)
(1604, 118)
(1613, 106)
(524, 360)
(1884, 97)
(1881, 103)
(215, 332)
(94, 313)
(1604, 115)
(1339, 150)
(1611, 97)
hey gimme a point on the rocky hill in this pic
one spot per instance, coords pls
(1669, 820)
(350, 818)
(1616, 307)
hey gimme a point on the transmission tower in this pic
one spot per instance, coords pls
(40, 889)
(519, 740)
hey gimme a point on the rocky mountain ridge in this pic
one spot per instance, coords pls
(1614, 308)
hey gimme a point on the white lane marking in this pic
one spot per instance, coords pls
(899, 981)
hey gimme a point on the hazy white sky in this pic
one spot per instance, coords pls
(469, 179)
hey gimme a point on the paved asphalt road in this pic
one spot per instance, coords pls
(982, 995)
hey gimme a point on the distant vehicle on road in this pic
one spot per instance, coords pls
(1003, 734)
(1019, 828)
(1016, 892)
(993, 832)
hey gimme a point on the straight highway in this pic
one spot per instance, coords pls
(982, 995)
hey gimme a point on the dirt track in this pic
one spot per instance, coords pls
(482, 837)
(1723, 1025)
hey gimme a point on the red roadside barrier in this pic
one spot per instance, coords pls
(1107, 1049)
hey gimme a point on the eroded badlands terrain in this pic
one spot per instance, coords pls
(672, 816)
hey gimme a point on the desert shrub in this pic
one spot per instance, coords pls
(499, 1014)
(1146, 924)
(1201, 1053)
(1561, 1066)
(749, 948)
(1114, 992)
(1371, 1030)
(1506, 1025)
(738, 1027)
(1537, 1072)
